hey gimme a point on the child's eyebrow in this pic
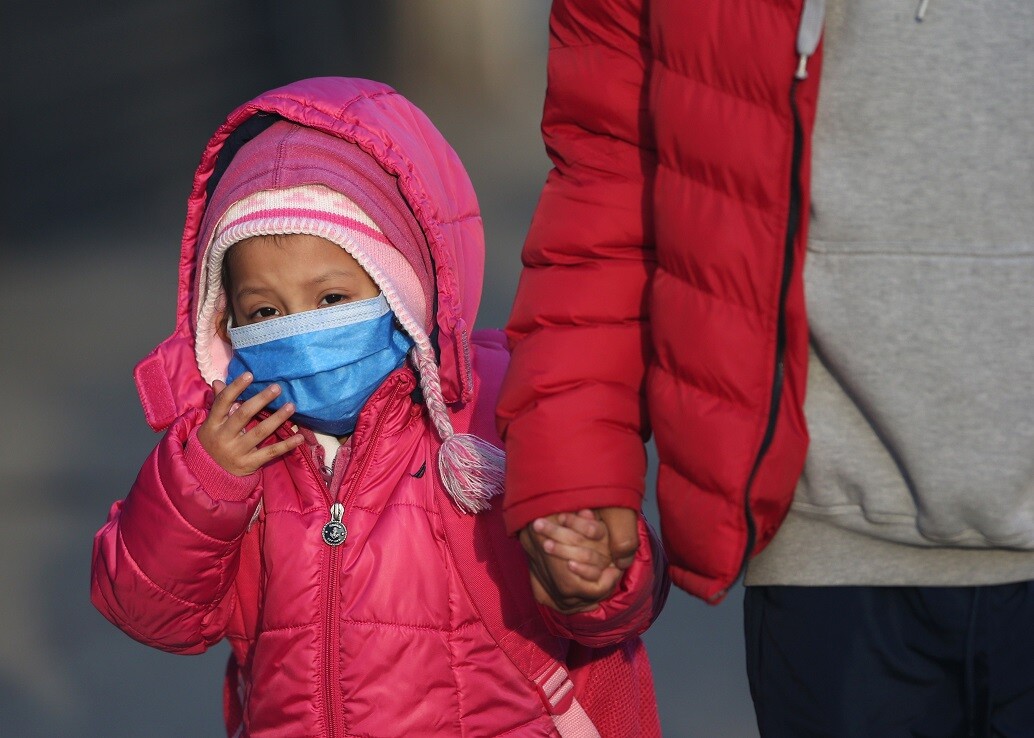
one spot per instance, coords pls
(246, 291)
(334, 274)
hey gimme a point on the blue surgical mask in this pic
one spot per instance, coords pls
(328, 362)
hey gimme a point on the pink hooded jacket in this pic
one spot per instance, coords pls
(385, 635)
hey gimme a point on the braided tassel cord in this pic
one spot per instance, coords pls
(471, 468)
(472, 471)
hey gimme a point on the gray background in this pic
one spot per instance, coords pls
(105, 109)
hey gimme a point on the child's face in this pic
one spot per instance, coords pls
(272, 276)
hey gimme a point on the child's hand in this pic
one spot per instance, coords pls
(223, 433)
(578, 538)
(575, 570)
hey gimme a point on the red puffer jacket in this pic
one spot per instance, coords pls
(663, 276)
(387, 634)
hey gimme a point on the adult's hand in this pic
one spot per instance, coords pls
(623, 528)
(553, 581)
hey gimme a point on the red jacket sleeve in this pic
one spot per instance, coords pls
(572, 409)
(630, 610)
(165, 561)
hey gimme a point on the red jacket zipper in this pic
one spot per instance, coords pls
(790, 238)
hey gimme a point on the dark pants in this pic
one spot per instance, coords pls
(891, 662)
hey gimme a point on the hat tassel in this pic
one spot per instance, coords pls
(472, 471)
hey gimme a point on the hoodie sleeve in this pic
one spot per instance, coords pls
(630, 610)
(572, 411)
(165, 561)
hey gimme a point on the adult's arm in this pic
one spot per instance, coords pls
(165, 562)
(572, 409)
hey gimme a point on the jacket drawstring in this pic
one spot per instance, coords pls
(810, 30)
(808, 33)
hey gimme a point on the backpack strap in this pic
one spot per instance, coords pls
(494, 572)
(569, 717)
(492, 565)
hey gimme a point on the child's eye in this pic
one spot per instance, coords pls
(264, 312)
(333, 298)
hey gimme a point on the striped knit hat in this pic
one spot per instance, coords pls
(317, 211)
(329, 207)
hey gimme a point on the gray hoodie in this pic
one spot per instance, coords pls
(920, 294)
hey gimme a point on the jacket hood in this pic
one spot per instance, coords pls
(401, 140)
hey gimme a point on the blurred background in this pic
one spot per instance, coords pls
(105, 108)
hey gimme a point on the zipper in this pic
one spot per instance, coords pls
(793, 224)
(337, 533)
(330, 692)
(329, 663)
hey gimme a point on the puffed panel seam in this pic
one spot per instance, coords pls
(143, 637)
(409, 626)
(685, 380)
(142, 575)
(685, 279)
(560, 129)
(284, 629)
(390, 505)
(682, 74)
(703, 182)
(125, 625)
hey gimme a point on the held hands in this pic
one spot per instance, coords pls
(224, 436)
(578, 559)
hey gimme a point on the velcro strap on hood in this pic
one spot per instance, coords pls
(168, 382)
(152, 384)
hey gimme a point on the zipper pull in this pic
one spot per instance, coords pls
(809, 32)
(802, 67)
(335, 532)
(921, 10)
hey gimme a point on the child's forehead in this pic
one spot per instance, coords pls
(287, 251)
(285, 244)
(242, 250)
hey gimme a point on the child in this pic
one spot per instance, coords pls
(322, 496)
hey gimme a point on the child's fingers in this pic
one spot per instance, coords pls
(576, 553)
(227, 394)
(601, 582)
(268, 426)
(609, 579)
(585, 525)
(604, 581)
(278, 449)
(252, 407)
(568, 604)
(553, 583)
(548, 529)
(588, 572)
